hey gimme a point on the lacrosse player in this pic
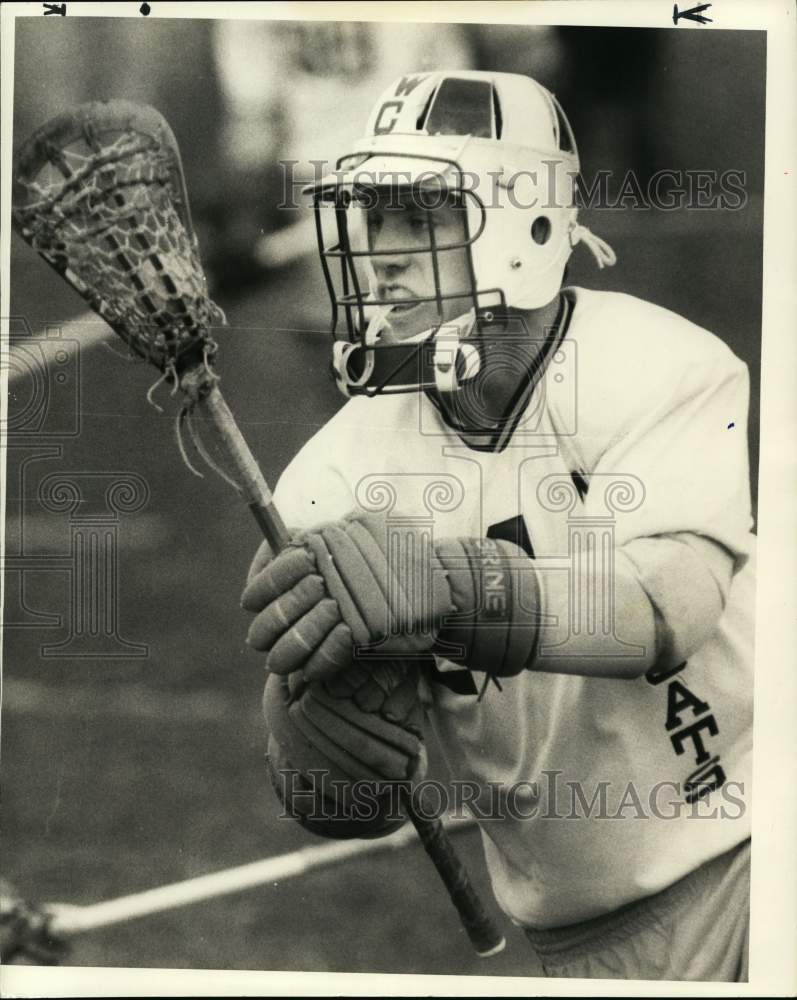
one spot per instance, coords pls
(531, 523)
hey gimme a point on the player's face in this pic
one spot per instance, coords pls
(398, 223)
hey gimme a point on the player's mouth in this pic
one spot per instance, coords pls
(402, 299)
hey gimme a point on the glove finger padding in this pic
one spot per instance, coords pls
(341, 756)
(391, 604)
(327, 816)
(285, 611)
(334, 653)
(277, 577)
(389, 687)
(410, 577)
(360, 744)
(403, 707)
(378, 579)
(295, 647)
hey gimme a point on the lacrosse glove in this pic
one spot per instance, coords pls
(367, 583)
(339, 749)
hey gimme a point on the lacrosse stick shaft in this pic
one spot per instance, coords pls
(67, 920)
(246, 472)
(486, 938)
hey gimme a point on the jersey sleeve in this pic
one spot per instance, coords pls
(691, 530)
(663, 409)
(686, 578)
(687, 457)
(664, 453)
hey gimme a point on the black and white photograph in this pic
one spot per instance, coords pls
(398, 493)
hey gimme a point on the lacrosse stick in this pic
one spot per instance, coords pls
(43, 932)
(99, 193)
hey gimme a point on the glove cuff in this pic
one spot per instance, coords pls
(496, 593)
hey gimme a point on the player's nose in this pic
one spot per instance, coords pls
(391, 253)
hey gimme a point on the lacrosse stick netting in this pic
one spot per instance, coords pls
(99, 193)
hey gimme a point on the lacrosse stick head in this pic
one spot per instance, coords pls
(25, 930)
(99, 193)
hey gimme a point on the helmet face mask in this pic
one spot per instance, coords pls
(455, 211)
(399, 268)
(419, 262)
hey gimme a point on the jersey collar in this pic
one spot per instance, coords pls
(497, 437)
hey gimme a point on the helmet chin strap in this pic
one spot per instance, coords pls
(455, 360)
(464, 412)
(377, 324)
(449, 361)
(343, 353)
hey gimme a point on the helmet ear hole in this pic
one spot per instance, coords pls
(541, 230)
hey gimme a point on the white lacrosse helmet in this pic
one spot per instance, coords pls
(502, 144)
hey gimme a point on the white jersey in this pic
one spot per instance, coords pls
(584, 787)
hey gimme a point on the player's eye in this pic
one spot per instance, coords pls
(419, 222)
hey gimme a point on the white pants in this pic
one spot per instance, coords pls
(695, 930)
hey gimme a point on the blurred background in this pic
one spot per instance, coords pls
(136, 758)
